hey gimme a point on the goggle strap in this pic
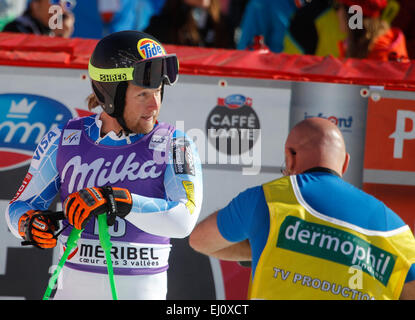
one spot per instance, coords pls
(127, 74)
(110, 75)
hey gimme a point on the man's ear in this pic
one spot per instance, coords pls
(346, 163)
(291, 161)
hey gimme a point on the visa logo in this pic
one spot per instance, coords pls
(45, 143)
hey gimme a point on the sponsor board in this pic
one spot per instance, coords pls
(345, 124)
(24, 124)
(232, 125)
(390, 135)
(389, 164)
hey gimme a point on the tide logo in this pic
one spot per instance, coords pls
(148, 48)
(23, 125)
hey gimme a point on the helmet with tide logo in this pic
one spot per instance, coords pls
(128, 56)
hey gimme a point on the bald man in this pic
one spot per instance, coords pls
(310, 234)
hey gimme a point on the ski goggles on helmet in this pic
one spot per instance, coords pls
(149, 73)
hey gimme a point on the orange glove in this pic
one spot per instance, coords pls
(38, 229)
(80, 206)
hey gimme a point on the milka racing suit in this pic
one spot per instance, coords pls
(161, 169)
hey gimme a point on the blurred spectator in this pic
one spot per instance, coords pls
(88, 23)
(268, 18)
(38, 19)
(119, 15)
(193, 23)
(314, 29)
(95, 19)
(145, 10)
(391, 10)
(235, 11)
(376, 39)
(406, 22)
(9, 10)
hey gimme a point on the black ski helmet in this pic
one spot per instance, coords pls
(128, 56)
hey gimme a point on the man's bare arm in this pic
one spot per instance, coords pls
(408, 291)
(207, 239)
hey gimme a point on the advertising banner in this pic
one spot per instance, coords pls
(390, 139)
(341, 104)
(390, 153)
(32, 101)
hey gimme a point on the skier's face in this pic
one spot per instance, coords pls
(142, 107)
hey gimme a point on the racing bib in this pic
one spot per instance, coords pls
(127, 258)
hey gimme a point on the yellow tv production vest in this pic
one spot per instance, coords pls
(312, 256)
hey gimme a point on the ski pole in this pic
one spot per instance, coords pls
(70, 245)
(104, 239)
